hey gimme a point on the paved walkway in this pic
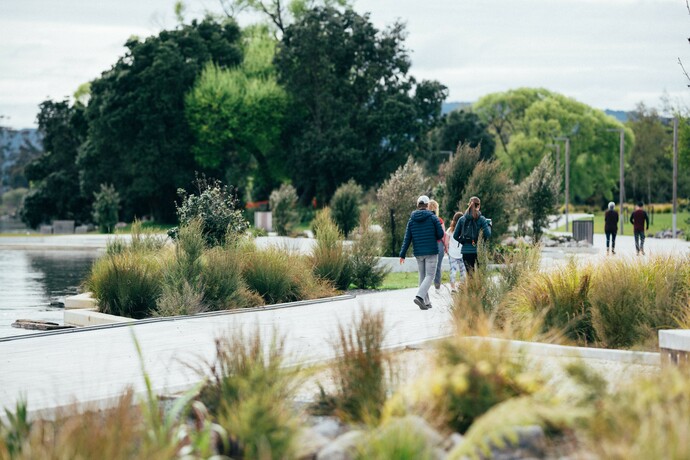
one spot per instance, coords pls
(96, 365)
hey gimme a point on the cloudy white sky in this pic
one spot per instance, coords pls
(606, 53)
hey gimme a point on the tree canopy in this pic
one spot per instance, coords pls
(354, 111)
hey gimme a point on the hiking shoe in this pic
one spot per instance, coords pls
(420, 303)
(429, 306)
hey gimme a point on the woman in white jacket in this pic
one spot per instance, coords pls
(455, 254)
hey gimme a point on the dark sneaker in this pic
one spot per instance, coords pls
(429, 306)
(437, 285)
(420, 303)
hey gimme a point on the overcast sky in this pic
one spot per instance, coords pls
(605, 53)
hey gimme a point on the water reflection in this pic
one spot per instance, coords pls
(31, 280)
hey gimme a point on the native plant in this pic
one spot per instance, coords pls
(397, 198)
(364, 256)
(330, 258)
(457, 172)
(283, 204)
(105, 207)
(539, 195)
(345, 206)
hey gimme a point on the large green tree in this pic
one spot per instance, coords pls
(649, 176)
(139, 139)
(527, 121)
(237, 118)
(354, 110)
(464, 126)
(54, 177)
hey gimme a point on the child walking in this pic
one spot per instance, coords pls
(455, 254)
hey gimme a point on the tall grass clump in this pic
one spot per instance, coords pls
(345, 206)
(560, 298)
(126, 284)
(360, 369)
(274, 274)
(330, 257)
(364, 257)
(399, 439)
(251, 393)
(647, 419)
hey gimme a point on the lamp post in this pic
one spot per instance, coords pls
(621, 187)
(567, 176)
(675, 174)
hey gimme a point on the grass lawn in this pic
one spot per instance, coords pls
(146, 226)
(406, 280)
(660, 222)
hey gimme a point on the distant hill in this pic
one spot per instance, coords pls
(17, 149)
(447, 107)
(619, 115)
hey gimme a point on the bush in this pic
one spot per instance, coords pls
(495, 190)
(273, 274)
(456, 173)
(126, 284)
(345, 206)
(398, 439)
(283, 204)
(329, 258)
(251, 393)
(360, 368)
(105, 207)
(539, 195)
(216, 208)
(364, 257)
(397, 198)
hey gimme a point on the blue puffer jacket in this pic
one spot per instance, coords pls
(483, 226)
(423, 230)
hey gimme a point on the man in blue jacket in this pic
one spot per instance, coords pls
(423, 231)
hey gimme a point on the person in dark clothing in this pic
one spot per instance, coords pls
(611, 227)
(475, 223)
(423, 231)
(638, 218)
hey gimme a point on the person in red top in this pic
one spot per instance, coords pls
(638, 218)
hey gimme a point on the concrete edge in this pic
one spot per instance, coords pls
(90, 317)
(80, 301)
(675, 339)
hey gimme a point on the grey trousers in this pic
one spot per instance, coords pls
(427, 269)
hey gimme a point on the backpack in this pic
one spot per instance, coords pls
(470, 231)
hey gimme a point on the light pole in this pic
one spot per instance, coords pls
(567, 176)
(675, 174)
(621, 191)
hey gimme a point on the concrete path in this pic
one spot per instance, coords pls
(95, 365)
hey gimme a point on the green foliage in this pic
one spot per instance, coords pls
(463, 127)
(139, 138)
(237, 117)
(329, 257)
(355, 113)
(54, 192)
(126, 284)
(360, 368)
(457, 172)
(15, 431)
(345, 206)
(495, 190)
(539, 194)
(217, 209)
(105, 207)
(526, 120)
(398, 439)
(272, 274)
(283, 202)
(251, 391)
(12, 201)
(364, 257)
(472, 378)
(397, 198)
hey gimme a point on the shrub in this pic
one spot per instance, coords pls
(283, 204)
(345, 206)
(273, 274)
(539, 195)
(251, 392)
(126, 284)
(399, 439)
(364, 257)
(360, 368)
(329, 257)
(456, 173)
(105, 207)
(216, 207)
(397, 198)
(495, 189)
(221, 279)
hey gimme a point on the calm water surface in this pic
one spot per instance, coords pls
(31, 279)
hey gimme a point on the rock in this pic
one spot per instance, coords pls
(343, 448)
(38, 325)
(328, 427)
(531, 443)
(453, 441)
(309, 443)
(57, 304)
(416, 424)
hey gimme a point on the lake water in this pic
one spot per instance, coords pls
(31, 279)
